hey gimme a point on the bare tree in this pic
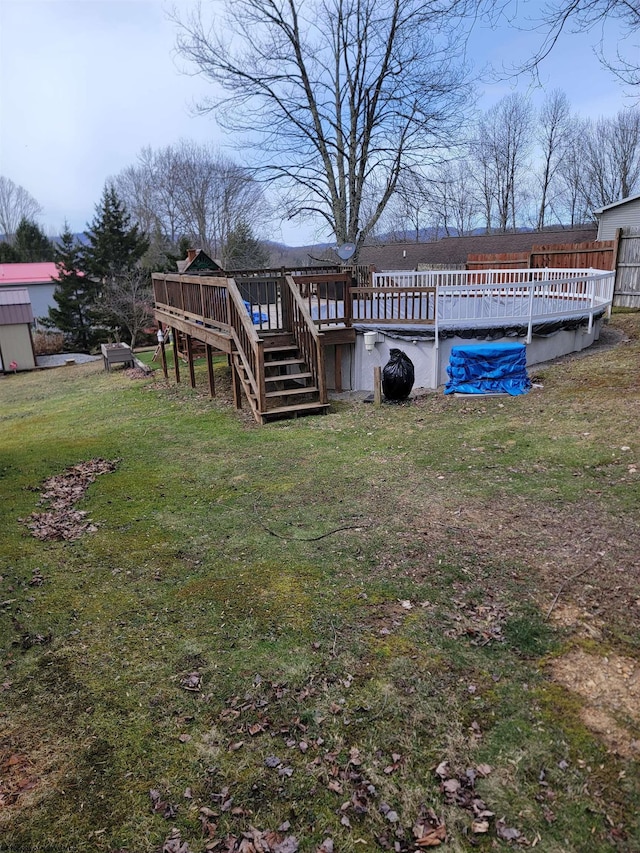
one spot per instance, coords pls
(191, 191)
(615, 25)
(16, 204)
(453, 193)
(410, 210)
(127, 302)
(554, 136)
(502, 151)
(338, 97)
(611, 158)
(571, 204)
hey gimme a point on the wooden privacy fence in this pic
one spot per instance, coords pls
(599, 255)
(627, 291)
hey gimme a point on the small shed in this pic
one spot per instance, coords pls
(16, 342)
(621, 214)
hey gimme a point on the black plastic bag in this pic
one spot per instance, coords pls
(398, 376)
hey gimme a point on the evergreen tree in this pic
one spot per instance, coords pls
(243, 251)
(112, 256)
(8, 254)
(75, 296)
(31, 243)
(114, 245)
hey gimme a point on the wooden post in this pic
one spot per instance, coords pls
(377, 386)
(163, 354)
(176, 364)
(338, 368)
(235, 382)
(212, 381)
(192, 372)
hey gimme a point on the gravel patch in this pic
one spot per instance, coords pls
(62, 359)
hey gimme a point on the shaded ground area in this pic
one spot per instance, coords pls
(398, 628)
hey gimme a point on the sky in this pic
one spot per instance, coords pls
(86, 84)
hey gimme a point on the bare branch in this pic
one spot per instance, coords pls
(335, 98)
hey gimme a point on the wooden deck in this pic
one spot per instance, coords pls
(263, 321)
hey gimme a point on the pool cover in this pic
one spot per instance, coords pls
(488, 369)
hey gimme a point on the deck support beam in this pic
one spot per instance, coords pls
(236, 386)
(192, 372)
(176, 361)
(212, 381)
(163, 354)
(338, 368)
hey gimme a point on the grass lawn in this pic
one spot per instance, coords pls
(386, 628)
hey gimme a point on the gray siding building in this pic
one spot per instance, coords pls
(621, 214)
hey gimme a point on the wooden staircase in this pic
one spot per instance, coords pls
(288, 383)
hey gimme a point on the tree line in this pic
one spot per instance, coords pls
(522, 168)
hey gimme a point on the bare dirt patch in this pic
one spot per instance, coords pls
(583, 559)
(610, 687)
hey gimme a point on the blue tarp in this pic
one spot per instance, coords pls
(257, 317)
(488, 369)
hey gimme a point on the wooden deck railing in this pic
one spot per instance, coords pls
(327, 296)
(306, 335)
(249, 346)
(203, 300)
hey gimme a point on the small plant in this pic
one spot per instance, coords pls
(48, 343)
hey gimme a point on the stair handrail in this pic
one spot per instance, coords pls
(306, 335)
(249, 345)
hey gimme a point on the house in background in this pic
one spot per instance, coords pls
(197, 261)
(16, 343)
(452, 252)
(38, 279)
(621, 214)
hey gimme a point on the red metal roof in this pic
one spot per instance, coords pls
(27, 273)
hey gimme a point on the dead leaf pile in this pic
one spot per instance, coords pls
(339, 770)
(136, 373)
(256, 841)
(428, 830)
(16, 777)
(166, 809)
(174, 844)
(481, 623)
(61, 493)
(459, 790)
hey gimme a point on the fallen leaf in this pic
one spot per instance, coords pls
(192, 681)
(442, 770)
(479, 826)
(507, 833)
(285, 771)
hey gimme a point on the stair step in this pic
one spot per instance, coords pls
(285, 362)
(288, 392)
(301, 407)
(282, 376)
(287, 348)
